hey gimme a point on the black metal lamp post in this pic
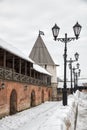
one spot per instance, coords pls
(74, 78)
(79, 72)
(70, 67)
(55, 30)
(76, 75)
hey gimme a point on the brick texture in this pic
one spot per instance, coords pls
(23, 98)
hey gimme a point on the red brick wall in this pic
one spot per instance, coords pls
(23, 95)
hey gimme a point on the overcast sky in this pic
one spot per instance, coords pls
(21, 20)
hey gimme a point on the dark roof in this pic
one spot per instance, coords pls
(40, 54)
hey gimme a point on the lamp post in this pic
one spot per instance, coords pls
(55, 30)
(76, 75)
(70, 67)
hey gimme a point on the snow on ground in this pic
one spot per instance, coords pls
(82, 112)
(47, 116)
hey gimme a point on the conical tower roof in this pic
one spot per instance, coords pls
(40, 54)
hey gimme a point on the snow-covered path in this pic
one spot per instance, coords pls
(31, 119)
(50, 116)
(82, 112)
(47, 116)
(37, 122)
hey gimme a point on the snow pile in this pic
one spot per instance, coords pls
(83, 95)
(77, 94)
(82, 111)
(63, 118)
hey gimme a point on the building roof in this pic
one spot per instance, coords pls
(6, 46)
(40, 69)
(40, 54)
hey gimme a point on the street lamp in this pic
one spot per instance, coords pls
(78, 66)
(79, 72)
(55, 31)
(70, 67)
(76, 75)
(77, 29)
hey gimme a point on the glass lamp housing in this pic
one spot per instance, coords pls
(76, 56)
(55, 31)
(77, 29)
